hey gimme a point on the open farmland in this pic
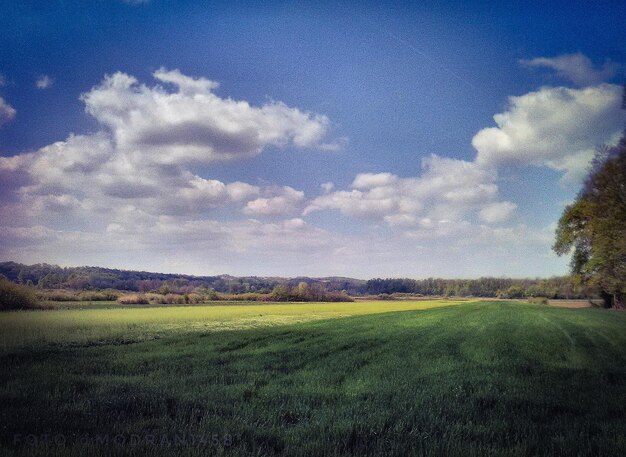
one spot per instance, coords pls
(377, 378)
(121, 324)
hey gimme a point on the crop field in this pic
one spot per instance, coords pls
(104, 322)
(458, 378)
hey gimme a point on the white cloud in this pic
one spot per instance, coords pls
(447, 191)
(186, 85)
(283, 201)
(192, 124)
(198, 194)
(7, 112)
(372, 180)
(577, 68)
(558, 128)
(336, 145)
(99, 179)
(13, 176)
(352, 203)
(44, 82)
(497, 212)
(125, 173)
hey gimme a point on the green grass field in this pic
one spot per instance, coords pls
(379, 378)
(104, 322)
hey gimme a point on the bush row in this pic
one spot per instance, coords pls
(66, 295)
(307, 292)
(167, 299)
(303, 292)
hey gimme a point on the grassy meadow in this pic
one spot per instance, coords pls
(458, 378)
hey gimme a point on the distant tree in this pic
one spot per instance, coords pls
(593, 228)
(302, 291)
(281, 293)
(47, 281)
(514, 291)
(77, 281)
(207, 292)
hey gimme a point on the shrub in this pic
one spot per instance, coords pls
(514, 291)
(68, 295)
(538, 300)
(208, 293)
(175, 299)
(105, 295)
(194, 298)
(248, 296)
(15, 296)
(133, 299)
(336, 297)
(282, 292)
(385, 297)
(57, 295)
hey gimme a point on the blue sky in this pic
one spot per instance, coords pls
(286, 138)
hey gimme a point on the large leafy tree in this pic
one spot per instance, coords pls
(594, 227)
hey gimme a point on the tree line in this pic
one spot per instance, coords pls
(555, 287)
(46, 276)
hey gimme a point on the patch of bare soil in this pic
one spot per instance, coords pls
(563, 303)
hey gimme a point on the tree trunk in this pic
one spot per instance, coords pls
(607, 299)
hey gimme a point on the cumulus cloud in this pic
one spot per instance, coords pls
(136, 176)
(373, 180)
(282, 201)
(554, 127)
(558, 128)
(7, 112)
(87, 176)
(577, 68)
(13, 172)
(193, 125)
(497, 212)
(447, 191)
(336, 145)
(44, 82)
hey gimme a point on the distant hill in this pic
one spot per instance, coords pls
(89, 278)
